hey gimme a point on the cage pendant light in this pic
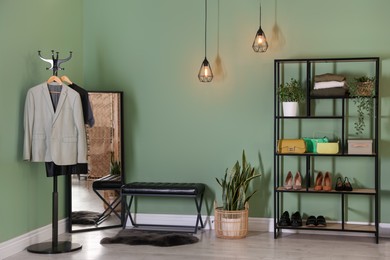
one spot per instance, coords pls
(205, 73)
(260, 43)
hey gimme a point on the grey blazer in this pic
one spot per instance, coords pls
(50, 136)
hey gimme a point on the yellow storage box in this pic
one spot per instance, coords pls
(328, 148)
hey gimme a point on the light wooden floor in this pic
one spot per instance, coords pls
(258, 245)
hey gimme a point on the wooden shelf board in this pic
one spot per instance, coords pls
(324, 154)
(335, 227)
(311, 190)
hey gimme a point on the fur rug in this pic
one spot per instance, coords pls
(84, 217)
(154, 238)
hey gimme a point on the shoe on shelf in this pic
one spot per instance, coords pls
(339, 185)
(288, 183)
(318, 182)
(296, 219)
(327, 182)
(311, 221)
(284, 220)
(347, 185)
(321, 222)
(297, 181)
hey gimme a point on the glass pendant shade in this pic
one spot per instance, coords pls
(260, 43)
(205, 73)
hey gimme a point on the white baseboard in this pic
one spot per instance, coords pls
(255, 224)
(164, 219)
(42, 234)
(17, 244)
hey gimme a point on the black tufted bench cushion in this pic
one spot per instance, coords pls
(109, 182)
(164, 189)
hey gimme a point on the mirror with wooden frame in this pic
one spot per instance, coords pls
(94, 197)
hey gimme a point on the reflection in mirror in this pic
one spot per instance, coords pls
(95, 196)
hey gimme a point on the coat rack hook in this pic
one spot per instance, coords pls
(55, 62)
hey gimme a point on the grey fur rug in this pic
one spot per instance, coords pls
(154, 238)
(84, 217)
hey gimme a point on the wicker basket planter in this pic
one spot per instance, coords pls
(365, 89)
(231, 224)
(231, 220)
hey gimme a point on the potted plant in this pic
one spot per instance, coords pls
(231, 220)
(115, 166)
(112, 195)
(291, 94)
(362, 90)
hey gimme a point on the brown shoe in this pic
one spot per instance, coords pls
(288, 183)
(318, 183)
(297, 181)
(327, 182)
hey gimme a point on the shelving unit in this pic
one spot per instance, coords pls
(338, 116)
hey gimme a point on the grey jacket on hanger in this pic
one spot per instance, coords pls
(54, 135)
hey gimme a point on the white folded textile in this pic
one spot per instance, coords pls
(329, 84)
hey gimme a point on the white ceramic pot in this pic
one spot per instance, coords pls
(290, 108)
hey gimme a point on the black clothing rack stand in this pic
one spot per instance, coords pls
(55, 246)
(55, 62)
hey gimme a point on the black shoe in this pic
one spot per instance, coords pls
(285, 220)
(339, 185)
(347, 185)
(321, 222)
(311, 221)
(296, 220)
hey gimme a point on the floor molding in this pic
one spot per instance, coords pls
(255, 224)
(17, 244)
(42, 234)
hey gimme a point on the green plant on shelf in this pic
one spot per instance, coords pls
(291, 91)
(362, 90)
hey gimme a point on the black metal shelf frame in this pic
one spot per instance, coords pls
(342, 119)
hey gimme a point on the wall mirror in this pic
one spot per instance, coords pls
(94, 197)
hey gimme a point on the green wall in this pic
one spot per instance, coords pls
(26, 27)
(176, 128)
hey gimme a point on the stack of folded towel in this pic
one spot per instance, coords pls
(329, 85)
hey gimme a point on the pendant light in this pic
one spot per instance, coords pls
(205, 74)
(260, 43)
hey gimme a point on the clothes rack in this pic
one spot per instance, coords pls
(55, 246)
(55, 62)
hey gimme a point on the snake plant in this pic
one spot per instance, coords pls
(115, 166)
(235, 185)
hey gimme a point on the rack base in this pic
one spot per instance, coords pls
(49, 248)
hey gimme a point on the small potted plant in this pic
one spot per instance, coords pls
(112, 195)
(231, 220)
(115, 166)
(291, 94)
(362, 90)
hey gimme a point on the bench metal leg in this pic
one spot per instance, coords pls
(129, 210)
(110, 208)
(198, 204)
(199, 215)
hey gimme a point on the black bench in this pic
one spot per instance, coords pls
(161, 189)
(109, 182)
